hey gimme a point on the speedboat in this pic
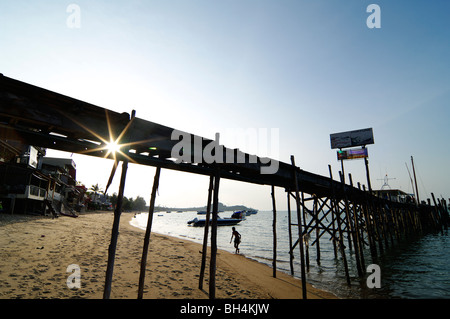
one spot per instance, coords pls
(240, 214)
(220, 222)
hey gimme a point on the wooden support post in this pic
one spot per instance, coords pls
(342, 168)
(347, 213)
(115, 233)
(316, 213)
(291, 253)
(333, 218)
(300, 231)
(445, 214)
(366, 162)
(305, 238)
(378, 226)
(401, 222)
(405, 222)
(430, 214)
(356, 241)
(374, 214)
(395, 223)
(390, 222)
(148, 231)
(442, 209)
(417, 219)
(384, 227)
(212, 265)
(369, 225)
(274, 231)
(341, 241)
(205, 234)
(398, 223)
(435, 214)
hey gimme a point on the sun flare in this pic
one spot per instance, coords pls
(113, 147)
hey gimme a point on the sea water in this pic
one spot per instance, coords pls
(416, 268)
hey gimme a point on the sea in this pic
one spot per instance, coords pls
(416, 268)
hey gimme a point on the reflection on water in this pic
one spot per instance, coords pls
(413, 269)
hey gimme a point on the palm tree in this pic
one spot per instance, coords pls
(96, 189)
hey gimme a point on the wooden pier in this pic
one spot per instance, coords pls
(349, 215)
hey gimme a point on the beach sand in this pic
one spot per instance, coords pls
(35, 253)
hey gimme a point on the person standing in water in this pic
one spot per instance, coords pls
(237, 239)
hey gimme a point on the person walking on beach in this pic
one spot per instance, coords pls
(237, 239)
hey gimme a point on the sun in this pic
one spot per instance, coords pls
(113, 147)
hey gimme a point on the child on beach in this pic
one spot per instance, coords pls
(237, 239)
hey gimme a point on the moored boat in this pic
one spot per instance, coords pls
(240, 214)
(251, 212)
(220, 222)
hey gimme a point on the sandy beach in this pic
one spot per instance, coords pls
(35, 253)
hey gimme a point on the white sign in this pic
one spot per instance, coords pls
(352, 138)
(33, 157)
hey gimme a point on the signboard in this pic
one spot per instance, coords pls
(352, 154)
(33, 156)
(352, 138)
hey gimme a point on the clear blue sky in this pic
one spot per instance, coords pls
(308, 68)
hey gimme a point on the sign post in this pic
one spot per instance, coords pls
(349, 139)
(366, 161)
(342, 163)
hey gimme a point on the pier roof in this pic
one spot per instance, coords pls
(48, 119)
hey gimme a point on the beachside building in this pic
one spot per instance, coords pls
(23, 187)
(33, 184)
(64, 194)
(395, 195)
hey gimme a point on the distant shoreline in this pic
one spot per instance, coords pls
(222, 207)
